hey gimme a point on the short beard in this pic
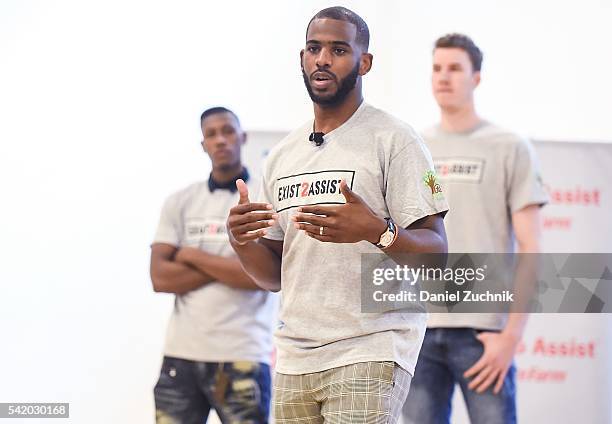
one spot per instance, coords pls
(345, 86)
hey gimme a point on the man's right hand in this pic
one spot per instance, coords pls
(248, 221)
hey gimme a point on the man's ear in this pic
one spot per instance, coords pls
(243, 138)
(365, 63)
(476, 78)
(302, 59)
(203, 146)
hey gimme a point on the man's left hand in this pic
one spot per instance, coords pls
(494, 363)
(348, 223)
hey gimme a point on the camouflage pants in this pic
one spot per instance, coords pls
(238, 391)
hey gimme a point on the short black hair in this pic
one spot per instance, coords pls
(215, 110)
(463, 42)
(343, 14)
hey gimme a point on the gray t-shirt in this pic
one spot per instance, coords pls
(486, 175)
(321, 324)
(214, 323)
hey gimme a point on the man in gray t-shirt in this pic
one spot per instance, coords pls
(218, 344)
(327, 189)
(490, 178)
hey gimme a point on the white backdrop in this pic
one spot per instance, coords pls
(99, 107)
(572, 387)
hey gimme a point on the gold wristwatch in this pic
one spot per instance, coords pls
(389, 236)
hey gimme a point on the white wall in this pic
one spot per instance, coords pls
(99, 106)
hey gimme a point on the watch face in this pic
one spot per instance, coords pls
(386, 238)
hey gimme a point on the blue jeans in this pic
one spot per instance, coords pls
(446, 354)
(187, 390)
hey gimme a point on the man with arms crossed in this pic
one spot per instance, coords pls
(218, 345)
(327, 189)
(490, 178)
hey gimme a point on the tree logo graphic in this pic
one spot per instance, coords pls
(430, 180)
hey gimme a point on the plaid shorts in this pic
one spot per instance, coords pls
(366, 392)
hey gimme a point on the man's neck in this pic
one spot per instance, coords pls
(458, 120)
(328, 118)
(224, 175)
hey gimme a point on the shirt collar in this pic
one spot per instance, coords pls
(230, 185)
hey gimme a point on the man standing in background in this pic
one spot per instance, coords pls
(218, 345)
(490, 178)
